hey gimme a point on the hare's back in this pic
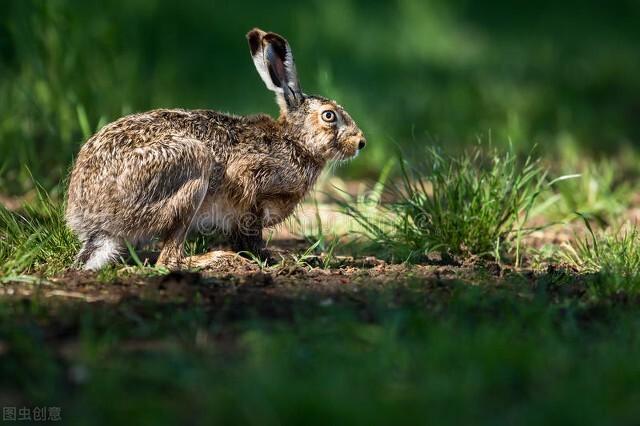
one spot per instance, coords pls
(132, 166)
(152, 127)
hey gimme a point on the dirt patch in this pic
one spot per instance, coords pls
(283, 280)
(219, 274)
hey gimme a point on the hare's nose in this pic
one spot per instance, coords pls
(362, 143)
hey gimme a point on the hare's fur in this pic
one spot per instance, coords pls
(165, 172)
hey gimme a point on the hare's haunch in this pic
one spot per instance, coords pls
(163, 173)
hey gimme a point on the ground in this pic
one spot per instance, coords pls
(335, 331)
(363, 341)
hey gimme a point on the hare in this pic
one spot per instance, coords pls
(166, 172)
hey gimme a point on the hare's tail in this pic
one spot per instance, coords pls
(98, 250)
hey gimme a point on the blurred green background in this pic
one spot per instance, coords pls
(411, 72)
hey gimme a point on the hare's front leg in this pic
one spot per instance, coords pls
(247, 237)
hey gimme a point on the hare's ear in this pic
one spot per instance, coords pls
(274, 61)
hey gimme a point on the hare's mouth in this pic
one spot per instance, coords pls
(353, 146)
(342, 157)
(347, 149)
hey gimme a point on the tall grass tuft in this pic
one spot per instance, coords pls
(476, 204)
(35, 239)
(612, 257)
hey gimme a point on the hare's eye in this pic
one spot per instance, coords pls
(329, 116)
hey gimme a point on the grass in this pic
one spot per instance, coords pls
(611, 256)
(473, 204)
(601, 191)
(35, 240)
(509, 354)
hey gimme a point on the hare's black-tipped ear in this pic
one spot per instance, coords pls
(274, 61)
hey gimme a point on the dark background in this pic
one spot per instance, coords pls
(559, 75)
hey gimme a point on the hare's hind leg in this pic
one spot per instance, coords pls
(98, 251)
(161, 189)
(180, 212)
(87, 249)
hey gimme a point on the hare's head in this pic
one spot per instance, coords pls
(323, 125)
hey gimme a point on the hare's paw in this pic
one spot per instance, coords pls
(171, 256)
(215, 260)
(174, 263)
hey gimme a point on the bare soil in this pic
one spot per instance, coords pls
(240, 281)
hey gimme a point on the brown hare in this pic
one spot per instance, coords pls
(163, 173)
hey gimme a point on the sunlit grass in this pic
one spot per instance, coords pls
(473, 204)
(35, 239)
(612, 257)
(598, 191)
